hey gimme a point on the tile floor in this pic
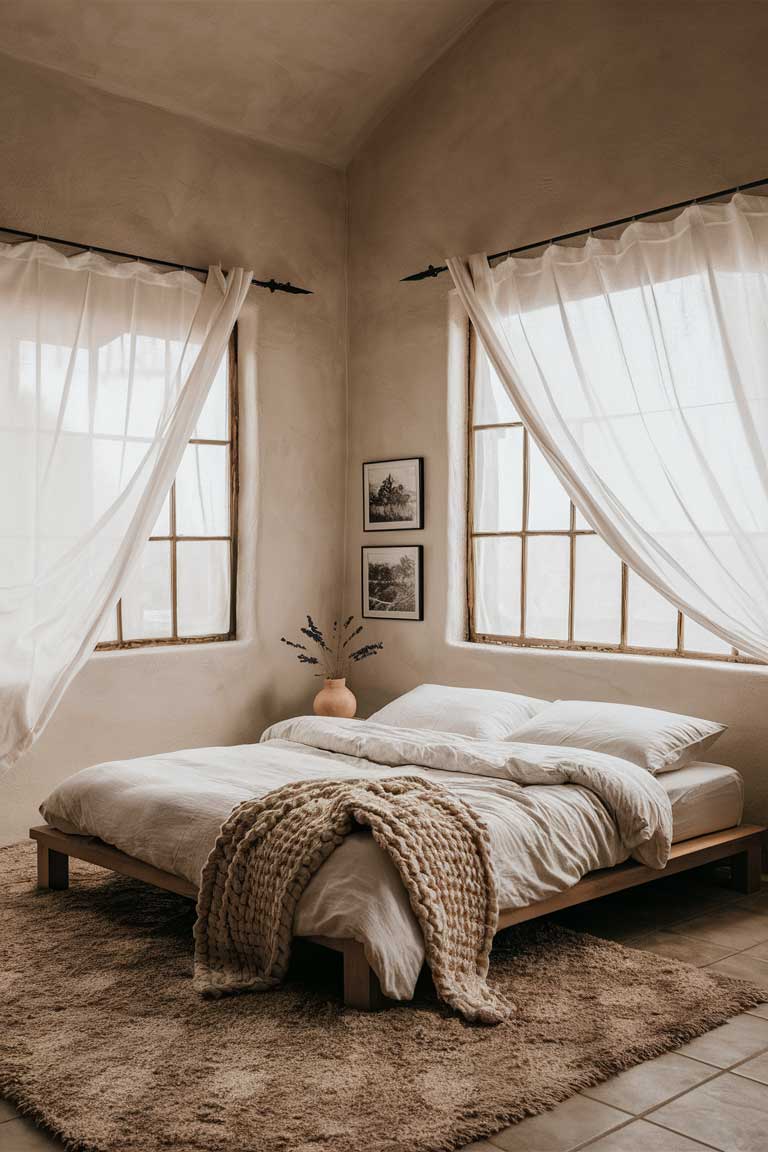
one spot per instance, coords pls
(710, 1094)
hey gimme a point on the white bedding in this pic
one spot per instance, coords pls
(704, 798)
(553, 815)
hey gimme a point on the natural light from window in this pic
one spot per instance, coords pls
(182, 589)
(539, 576)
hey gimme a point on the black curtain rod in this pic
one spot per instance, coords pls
(431, 270)
(272, 285)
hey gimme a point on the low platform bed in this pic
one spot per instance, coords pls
(740, 846)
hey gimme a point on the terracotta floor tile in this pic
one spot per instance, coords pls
(744, 967)
(677, 946)
(729, 1113)
(565, 1127)
(650, 1084)
(22, 1136)
(740, 1038)
(757, 902)
(732, 927)
(7, 1111)
(640, 1136)
(755, 1069)
(759, 951)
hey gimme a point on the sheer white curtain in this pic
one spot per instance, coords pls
(104, 370)
(640, 367)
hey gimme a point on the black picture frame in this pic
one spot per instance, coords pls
(410, 470)
(416, 551)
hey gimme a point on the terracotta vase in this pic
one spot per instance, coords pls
(335, 699)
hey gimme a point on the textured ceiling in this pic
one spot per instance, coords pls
(310, 75)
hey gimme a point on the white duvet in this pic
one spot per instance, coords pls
(553, 815)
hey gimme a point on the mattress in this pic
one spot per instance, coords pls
(704, 797)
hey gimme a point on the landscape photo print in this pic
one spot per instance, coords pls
(393, 583)
(393, 494)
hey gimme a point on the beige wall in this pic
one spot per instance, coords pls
(88, 166)
(548, 116)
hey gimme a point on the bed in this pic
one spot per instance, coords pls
(567, 824)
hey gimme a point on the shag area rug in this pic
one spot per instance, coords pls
(104, 1041)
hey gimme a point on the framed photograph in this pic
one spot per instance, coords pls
(393, 583)
(393, 495)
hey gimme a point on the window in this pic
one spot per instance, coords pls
(183, 590)
(538, 575)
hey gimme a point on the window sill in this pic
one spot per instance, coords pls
(164, 650)
(594, 656)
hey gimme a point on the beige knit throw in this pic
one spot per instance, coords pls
(269, 848)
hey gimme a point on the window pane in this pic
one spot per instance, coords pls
(698, 639)
(109, 631)
(579, 522)
(202, 574)
(498, 480)
(549, 505)
(214, 418)
(546, 587)
(597, 599)
(133, 386)
(497, 585)
(147, 599)
(651, 619)
(202, 491)
(163, 523)
(491, 404)
(45, 371)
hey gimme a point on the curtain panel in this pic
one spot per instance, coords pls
(640, 368)
(104, 371)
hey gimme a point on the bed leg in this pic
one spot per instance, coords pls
(52, 868)
(361, 984)
(746, 868)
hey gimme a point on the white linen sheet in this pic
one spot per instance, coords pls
(704, 798)
(553, 815)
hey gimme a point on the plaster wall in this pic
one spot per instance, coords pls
(308, 75)
(85, 165)
(548, 116)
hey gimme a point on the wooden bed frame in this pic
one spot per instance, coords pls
(740, 846)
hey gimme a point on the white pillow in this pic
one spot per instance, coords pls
(470, 711)
(656, 740)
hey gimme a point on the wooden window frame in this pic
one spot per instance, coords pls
(173, 538)
(572, 533)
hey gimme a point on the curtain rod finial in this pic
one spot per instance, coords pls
(432, 270)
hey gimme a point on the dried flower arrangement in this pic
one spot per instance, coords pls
(335, 655)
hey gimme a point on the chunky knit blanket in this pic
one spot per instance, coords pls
(269, 848)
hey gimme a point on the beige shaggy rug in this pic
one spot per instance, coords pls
(104, 1040)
